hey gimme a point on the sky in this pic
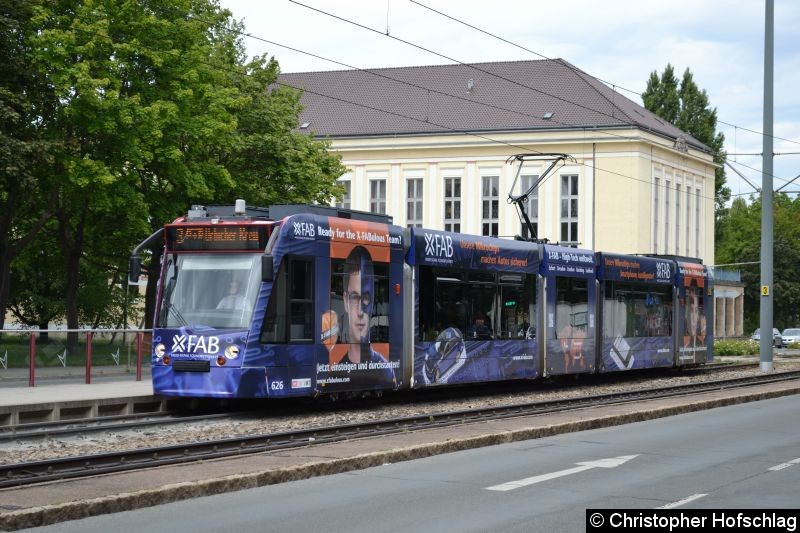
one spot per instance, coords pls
(618, 41)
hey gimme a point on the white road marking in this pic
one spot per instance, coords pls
(784, 465)
(611, 462)
(684, 501)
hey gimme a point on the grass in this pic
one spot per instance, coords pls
(729, 347)
(742, 347)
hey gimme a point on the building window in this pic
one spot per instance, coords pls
(697, 223)
(656, 198)
(414, 203)
(688, 217)
(531, 206)
(666, 217)
(452, 204)
(346, 198)
(377, 196)
(677, 219)
(569, 209)
(490, 206)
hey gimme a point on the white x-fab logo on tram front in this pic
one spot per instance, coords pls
(179, 343)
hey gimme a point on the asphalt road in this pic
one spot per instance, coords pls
(728, 458)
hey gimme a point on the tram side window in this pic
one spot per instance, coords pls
(572, 305)
(426, 306)
(518, 307)
(636, 310)
(273, 330)
(379, 323)
(291, 304)
(481, 306)
(442, 303)
(478, 304)
(301, 301)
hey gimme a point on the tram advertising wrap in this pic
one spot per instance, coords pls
(293, 301)
(476, 308)
(343, 269)
(570, 322)
(694, 315)
(636, 312)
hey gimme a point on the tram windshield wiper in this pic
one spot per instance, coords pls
(177, 314)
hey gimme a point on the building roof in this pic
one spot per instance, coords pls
(479, 97)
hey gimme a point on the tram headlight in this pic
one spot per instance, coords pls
(221, 361)
(160, 350)
(232, 351)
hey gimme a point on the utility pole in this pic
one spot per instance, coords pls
(767, 195)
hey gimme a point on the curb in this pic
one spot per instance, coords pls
(51, 514)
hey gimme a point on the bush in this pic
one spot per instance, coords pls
(735, 347)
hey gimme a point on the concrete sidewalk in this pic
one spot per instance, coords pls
(72, 392)
(62, 393)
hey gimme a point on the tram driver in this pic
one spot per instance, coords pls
(233, 300)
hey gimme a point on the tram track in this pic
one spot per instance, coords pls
(21, 474)
(83, 426)
(140, 421)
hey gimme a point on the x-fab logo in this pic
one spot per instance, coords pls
(303, 229)
(438, 245)
(179, 343)
(194, 343)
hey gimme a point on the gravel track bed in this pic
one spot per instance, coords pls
(52, 447)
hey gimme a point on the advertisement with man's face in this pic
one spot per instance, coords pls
(693, 313)
(355, 321)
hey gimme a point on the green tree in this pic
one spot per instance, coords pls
(38, 297)
(82, 49)
(686, 106)
(740, 235)
(273, 162)
(144, 108)
(256, 152)
(26, 192)
(662, 96)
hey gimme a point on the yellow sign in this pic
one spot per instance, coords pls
(765, 290)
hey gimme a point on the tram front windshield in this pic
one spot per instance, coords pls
(209, 290)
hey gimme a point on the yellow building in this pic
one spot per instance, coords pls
(429, 146)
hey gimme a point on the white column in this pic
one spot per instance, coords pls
(396, 195)
(730, 323)
(719, 317)
(739, 316)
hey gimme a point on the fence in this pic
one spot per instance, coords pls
(727, 275)
(71, 353)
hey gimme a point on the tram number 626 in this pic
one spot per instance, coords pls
(276, 385)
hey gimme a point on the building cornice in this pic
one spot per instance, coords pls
(512, 141)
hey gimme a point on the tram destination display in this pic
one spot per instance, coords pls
(217, 237)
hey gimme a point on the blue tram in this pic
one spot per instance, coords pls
(309, 300)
